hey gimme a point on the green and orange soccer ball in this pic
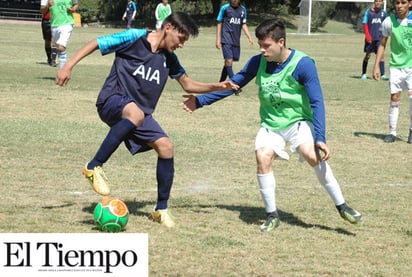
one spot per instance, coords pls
(111, 215)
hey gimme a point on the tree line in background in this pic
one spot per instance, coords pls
(110, 12)
(205, 12)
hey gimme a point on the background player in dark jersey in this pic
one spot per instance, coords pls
(130, 13)
(49, 47)
(291, 111)
(231, 20)
(372, 27)
(142, 64)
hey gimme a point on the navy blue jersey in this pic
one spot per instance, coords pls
(374, 20)
(137, 72)
(232, 20)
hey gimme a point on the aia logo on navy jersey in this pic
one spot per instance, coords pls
(148, 74)
(234, 20)
(376, 21)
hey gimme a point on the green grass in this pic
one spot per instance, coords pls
(47, 133)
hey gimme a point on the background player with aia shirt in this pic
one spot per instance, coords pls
(231, 20)
(372, 27)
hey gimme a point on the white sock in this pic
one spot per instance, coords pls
(329, 182)
(393, 116)
(62, 59)
(267, 185)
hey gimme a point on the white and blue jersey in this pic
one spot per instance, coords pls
(130, 10)
(137, 72)
(305, 74)
(232, 20)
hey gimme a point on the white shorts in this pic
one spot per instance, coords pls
(400, 79)
(61, 35)
(296, 134)
(159, 24)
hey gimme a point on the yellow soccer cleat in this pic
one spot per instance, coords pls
(97, 179)
(163, 217)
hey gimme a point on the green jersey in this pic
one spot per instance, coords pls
(401, 43)
(59, 14)
(283, 101)
(163, 11)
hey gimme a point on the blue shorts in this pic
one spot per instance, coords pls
(371, 47)
(231, 52)
(111, 112)
(129, 21)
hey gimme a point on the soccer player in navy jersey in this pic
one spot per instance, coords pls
(142, 64)
(231, 20)
(372, 27)
(291, 110)
(130, 13)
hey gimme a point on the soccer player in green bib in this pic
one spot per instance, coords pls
(291, 111)
(62, 23)
(399, 27)
(163, 10)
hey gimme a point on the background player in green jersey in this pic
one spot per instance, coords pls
(398, 26)
(163, 10)
(62, 23)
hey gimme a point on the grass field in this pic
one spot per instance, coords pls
(47, 133)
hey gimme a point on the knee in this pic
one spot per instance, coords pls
(395, 99)
(264, 158)
(133, 113)
(164, 148)
(61, 48)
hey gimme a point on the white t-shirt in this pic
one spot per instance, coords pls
(387, 25)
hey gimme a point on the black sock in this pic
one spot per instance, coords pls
(341, 207)
(114, 138)
(165, 174)
(364, 66)
(223, 75)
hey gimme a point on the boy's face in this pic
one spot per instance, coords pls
(378, 4)
(270, 49)
(235, 3)
(173, 39)
(402, 7)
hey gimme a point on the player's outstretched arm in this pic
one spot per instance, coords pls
(195, 102)
(192, 86)
(64, 74)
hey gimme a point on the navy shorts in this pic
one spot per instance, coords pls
(111, 112)
(231, 52)
(129, 21)
(371, 47)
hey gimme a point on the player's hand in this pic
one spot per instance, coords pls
(51, 3)
(190, 104)
(218, 45)
(226, 85)
(63, 77)
(323, 151)
(376, 74)
(251, 42)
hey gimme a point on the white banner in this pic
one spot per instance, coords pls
(74, 255)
